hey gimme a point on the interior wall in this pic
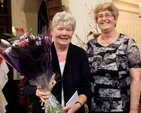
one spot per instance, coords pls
(25, 14)
(129, 22)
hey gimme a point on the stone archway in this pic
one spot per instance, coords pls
(25, 12)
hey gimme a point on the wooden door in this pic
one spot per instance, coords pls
(52, 7)
(3, 29)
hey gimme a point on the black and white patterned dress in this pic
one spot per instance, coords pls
(109, 68)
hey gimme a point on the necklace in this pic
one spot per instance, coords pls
(111, 40)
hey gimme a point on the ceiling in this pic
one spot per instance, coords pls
(134, 2)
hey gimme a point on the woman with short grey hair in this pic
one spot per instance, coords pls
(71, 63)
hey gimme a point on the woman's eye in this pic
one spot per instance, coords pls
(60, 29)
(69, 30)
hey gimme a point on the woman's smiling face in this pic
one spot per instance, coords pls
(62, 34)
(106, 20)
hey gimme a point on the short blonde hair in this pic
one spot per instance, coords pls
(106, 6)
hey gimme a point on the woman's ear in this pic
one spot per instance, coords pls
(116, 18)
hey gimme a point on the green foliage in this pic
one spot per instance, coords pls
(8, 34)
(14, 34)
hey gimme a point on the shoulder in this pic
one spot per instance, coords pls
(124, 37)
(76, 49)
(129, 42)
(94, 39)
(77, 54)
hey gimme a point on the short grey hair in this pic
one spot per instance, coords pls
(65, 18)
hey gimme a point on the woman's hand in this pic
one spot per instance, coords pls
(42, 95)
(133, 111)
(71, 108)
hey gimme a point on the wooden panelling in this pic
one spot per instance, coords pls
(52, 7)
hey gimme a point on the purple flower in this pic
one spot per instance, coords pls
(38, 43)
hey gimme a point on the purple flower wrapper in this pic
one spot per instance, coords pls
(31, 57)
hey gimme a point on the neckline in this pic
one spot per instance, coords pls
(110, 43)
(111, 39)
(62, 62)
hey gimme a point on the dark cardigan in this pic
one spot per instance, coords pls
(76, 76)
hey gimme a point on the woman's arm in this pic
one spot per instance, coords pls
(135, 88)
(35, 91)
(29, 89)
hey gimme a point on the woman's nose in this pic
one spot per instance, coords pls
(64, 32)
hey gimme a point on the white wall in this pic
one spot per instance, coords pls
(25, 13)
(128, 22)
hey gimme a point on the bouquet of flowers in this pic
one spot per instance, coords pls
(30, 55)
